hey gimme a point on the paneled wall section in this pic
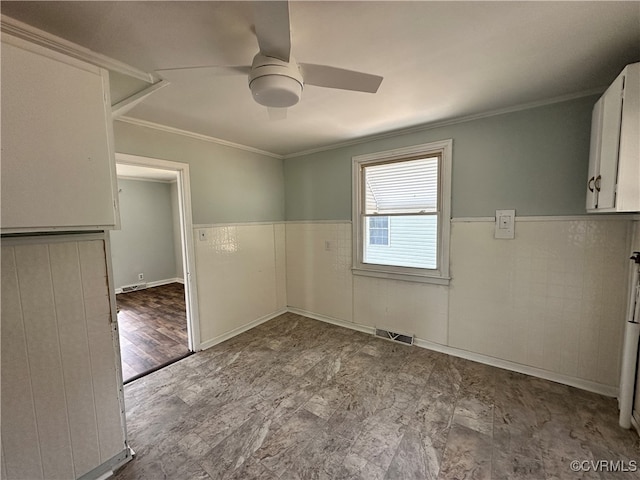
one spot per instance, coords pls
(60, 408)
(552, 299)
(319, 269)
(240, 277)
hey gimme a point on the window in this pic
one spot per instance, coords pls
(401, 216)
(378, 230)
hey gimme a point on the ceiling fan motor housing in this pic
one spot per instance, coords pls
(274, 82)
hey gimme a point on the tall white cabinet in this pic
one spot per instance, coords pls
(58, 164)
(613, 183)
(62, 410)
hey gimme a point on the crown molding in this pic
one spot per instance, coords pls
(40, 37)
(445, 123)
(370, 138)
(197, 136)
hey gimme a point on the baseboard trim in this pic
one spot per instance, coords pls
(108, 468)
(334, 321)
(237, 331)
(156, 283)
(606, 390)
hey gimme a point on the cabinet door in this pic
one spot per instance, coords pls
(610, 144)
(628, 194)
(61, 386)
(594, 155)
(58, 164)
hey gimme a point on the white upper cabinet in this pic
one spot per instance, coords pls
(58, 163)
(614, 162)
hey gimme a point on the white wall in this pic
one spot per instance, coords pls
(319, 279)
(553, 298)
(240, 277)
(550, 301)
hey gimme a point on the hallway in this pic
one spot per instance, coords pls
(153, 328)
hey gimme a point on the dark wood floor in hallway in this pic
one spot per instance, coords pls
(153, 328)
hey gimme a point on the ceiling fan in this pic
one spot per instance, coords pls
(276, 79)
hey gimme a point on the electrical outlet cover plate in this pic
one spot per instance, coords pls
(505, 224)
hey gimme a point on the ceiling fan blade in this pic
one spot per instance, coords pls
(213, 69)
(276, 113)
(332, 77)
(273, 30)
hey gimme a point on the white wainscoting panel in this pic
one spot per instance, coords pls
(412, 308)
(237, 276)
(279, 232)
(60, 406)
(552, 298)
(319, 276)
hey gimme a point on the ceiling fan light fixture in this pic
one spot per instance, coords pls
(277, 91)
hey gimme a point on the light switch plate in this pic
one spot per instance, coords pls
(505, 224)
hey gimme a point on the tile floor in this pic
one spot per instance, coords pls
(295, 398)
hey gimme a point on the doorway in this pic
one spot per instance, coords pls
(157, 308)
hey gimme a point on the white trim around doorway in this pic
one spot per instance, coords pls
(186, 227)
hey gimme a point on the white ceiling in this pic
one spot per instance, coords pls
(440, 60)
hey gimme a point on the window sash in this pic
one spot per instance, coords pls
(414, 244)
(430, 198)
(443, 151)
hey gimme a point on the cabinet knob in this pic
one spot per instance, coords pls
(589, 186)
(596, 184)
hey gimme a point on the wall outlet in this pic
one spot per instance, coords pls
(202, 235)
(141, 276)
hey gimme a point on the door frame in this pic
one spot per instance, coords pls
(186, 234)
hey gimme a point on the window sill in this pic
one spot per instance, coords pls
(405, 277)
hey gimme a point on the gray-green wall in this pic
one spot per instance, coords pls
(228, 185)
(532, 160)
(145, 242)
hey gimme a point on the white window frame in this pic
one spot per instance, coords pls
(440, 275)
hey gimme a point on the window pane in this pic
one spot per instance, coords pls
(378, 230)
(412, 242)
(402, 187)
